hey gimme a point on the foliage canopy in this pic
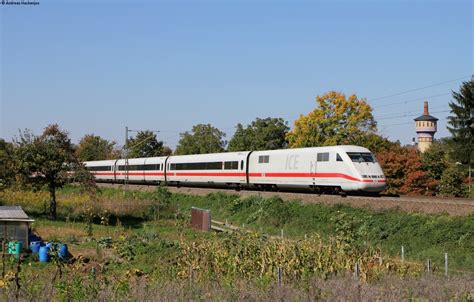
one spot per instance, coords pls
(203, 138)
(261, 134)
(461, 123)
(337, 120)
(94, 147)
(145, 144)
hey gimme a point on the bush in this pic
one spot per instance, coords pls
(451, 183)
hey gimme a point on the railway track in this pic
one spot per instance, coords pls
(422, 204)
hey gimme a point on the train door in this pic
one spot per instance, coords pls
(314, 169)
(115, 167)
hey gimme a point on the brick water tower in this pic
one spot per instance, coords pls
(425, 129)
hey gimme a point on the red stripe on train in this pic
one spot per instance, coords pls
(286, 174)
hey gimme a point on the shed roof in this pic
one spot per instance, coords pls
(13, 213)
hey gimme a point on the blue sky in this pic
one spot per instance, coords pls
(98, 66)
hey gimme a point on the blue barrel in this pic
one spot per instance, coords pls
(43, 254)
(49, 245)
(62, 253)
(35, 246)
(18, 247)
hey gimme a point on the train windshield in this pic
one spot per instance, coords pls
(366, 157)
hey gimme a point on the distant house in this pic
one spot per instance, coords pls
(14, 224)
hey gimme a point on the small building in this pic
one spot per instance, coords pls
(14, 225)
(426, 126)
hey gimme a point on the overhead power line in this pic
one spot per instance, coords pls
(412, 100)
(420, 88)
(408, 112)
(408, 115)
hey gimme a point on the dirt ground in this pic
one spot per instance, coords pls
(411, 204)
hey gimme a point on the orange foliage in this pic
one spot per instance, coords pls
(404, 172)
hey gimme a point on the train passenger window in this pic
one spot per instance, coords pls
(241, 165)
(338, 157)
(231, 165)
(197, 166)
(323, 156)
(264, 159)
(99, 168)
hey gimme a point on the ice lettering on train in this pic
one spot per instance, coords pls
(292, 162)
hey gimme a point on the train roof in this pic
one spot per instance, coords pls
(341, 148)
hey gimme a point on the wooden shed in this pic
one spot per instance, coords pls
(14, 224)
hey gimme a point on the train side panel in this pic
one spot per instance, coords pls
(300, 168)
(103, 170)
(212, 169)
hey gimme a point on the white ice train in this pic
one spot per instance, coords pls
(320, 169)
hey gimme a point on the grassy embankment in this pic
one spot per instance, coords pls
(423, 236)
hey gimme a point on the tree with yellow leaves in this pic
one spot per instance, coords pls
(336, 120)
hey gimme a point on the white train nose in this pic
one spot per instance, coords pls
(376, 185)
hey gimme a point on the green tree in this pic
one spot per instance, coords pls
(46, 159)
(94, 147)
(451, 183)
(166, 151)
(7, 168)
(336, 120)
(145, 144)
(202, 139)
(461, 123)
(435, 160)
(261, 134)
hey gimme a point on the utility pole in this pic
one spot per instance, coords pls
(126, 151)
(126, 158)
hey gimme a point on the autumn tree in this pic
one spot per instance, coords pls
(404, 172)
(261, 134)
(145, 144)
(46, 159)
(336, 120)
(94, 147)
(461, 123)
(202, 139)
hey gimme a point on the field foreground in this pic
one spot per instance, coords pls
(138, 246)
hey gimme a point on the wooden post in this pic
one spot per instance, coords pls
(403, 253)
(356, 270)
(446, 264)
(428, 265)
(281, 233)
(279, 273)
